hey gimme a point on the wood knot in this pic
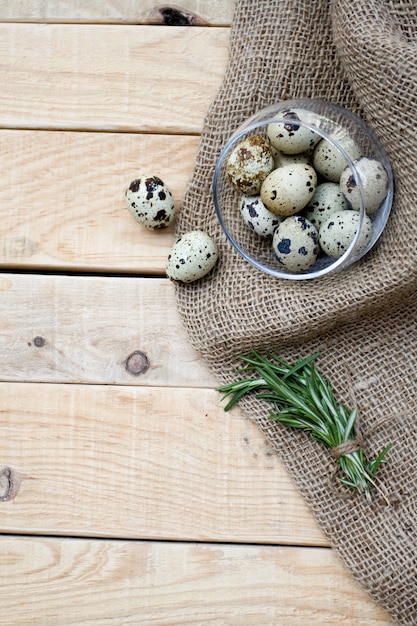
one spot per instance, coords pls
(173, 17)
(9, 484)
(137, 363)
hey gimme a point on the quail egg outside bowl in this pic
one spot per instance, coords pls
(302, 189)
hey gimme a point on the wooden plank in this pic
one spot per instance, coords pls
(213, 12)
(154, 463)
(80, 582)
(95, 330)
(99, 77)
(62, 198)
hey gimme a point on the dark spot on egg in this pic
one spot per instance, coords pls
(291, 128)
(284, 246)
(134, 185)
(161, 215)
(351, 183)
(152, 184)
(303, 223)
(245, 154)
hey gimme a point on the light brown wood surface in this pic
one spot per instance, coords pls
(108, 78)
(145, 462)
(127, 495)
(83, 329)
(214, 12)
(169, 583)
(62, 198)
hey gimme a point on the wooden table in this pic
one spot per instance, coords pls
(127, 495)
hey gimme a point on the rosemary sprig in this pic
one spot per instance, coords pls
(302, 398)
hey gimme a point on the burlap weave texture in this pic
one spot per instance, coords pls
(361, 54)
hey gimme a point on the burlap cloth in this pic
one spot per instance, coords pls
(361, 54)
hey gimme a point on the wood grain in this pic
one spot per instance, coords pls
(213, 12)
(101, 77)
(110, 429)
(62, 198)
(84, 582)
(107, 330)
(154, 463)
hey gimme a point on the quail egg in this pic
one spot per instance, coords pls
(192, 256)
(338, 231)
(329, 161)
(295, 243)
(255, 215)
(288, 189)
(281, 159)
(327, 199)
(249, 164)
(150, 202)
(374, 183)
(289, 137)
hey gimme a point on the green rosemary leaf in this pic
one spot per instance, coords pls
(301, 364)
(302, 398)
(350, 423)
(374, 465)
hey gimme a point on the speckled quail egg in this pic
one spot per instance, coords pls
(289, 137)
(288, 189)
(327, 199)
(329, 161)
(150, 202)
(192, 256)
(338, 232)
(249, 164)
(295, 243)
(281, 159)
(255, 215)
(374, 182)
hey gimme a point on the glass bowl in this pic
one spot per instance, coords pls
(329, 123)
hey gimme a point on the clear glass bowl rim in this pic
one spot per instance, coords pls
(268, 117)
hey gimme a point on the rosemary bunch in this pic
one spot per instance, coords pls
(302, 398)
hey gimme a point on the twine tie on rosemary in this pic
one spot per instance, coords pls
(301, 398)
(347, 447)
(361, 54)
(359, 439)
